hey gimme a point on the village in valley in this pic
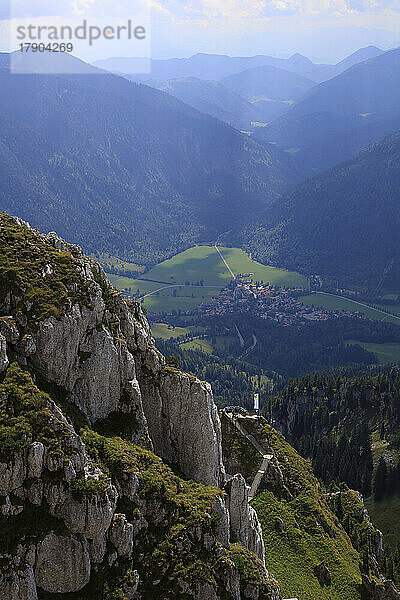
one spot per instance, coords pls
(268, 301)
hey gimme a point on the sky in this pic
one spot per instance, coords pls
(323, 30)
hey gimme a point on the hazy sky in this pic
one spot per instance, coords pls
(325, 30)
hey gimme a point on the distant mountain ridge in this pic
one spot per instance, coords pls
(271, 85)
(342, 224)
(270, 89)
(124, 168)
(369, 87)
(337, 118)
(216, 66)
(256, 95)
(212, 98)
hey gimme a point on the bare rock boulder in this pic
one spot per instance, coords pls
(62, 564)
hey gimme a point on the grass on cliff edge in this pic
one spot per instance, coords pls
(44, 278)
(171, 548)
(312, 532)
(25, 416)
(192, 501)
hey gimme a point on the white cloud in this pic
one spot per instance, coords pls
(267, 8)
(233, 8)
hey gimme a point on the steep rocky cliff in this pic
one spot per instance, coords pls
(319, 545)
(89, 412)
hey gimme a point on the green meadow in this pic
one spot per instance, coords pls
(385, 353)
(336, 303)
(166, 331)
(201, 345)
(385, 515)
(187, 279)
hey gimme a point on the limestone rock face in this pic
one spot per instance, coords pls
(350, 508)
(184, 425)
(17, 581)
(82, 356)
(62, 564)
(121, 535)
(12, 475)
(106, 361)
(82, 350)
(3, 354)
(98, 356)
(244, 522)
(223, 530)
(9, 329)
(102, 355)
(374, 590)
(35, 459)
(182, 418)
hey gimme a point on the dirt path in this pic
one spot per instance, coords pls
(225, 263)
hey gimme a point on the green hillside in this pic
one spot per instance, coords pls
(300, 528)
(122, 169)
(186, 280)
(343, 224)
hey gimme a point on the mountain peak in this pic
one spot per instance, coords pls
(300, 60)
(359, 56)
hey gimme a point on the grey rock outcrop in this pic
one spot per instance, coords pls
(62, 564)
(81, 355)
(244, 522)
(184, 425)
(3, 354)
(323, 574)
(17, 580)
(35, 459)
(121, 535)
(223, 530)
(98, 355)
(107, 363)
(378, 590)
(182, 418)
(9, 329)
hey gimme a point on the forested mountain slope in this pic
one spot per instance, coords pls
(212, 98)
(270, 89)
(124, 168)
(338, 117)
(343, 223)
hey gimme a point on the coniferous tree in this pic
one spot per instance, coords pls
(380, 480)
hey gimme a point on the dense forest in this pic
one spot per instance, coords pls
(350, 429)
(233, 381)
(296, 351)
(329, 225)
(331, 420)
